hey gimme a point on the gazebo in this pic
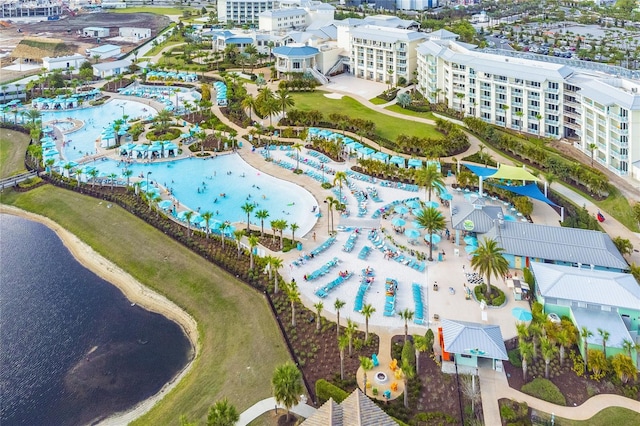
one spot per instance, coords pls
(464, 342)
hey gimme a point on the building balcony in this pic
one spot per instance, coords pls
(516, 104)
(617, 142)
(620, 131)
(549, 90)
(619, 118)
(573, 115)
(486, 108)
(572, 125)
(619, 156)
(504, 91)
(485, 97)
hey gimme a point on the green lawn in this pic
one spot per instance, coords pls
(156, 10)
(160, 47)
(377, 101)
(13, 145)
(388, 127)
(234, 321)
(397, 108)
(607, 417)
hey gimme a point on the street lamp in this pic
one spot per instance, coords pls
(122, 106)
(147, 187)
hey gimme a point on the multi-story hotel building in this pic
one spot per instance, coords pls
(242, 12)
(589, 104)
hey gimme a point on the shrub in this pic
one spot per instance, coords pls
(514, 358)
(326, 390)
(507, 413)
(545, 390)
(497, 297)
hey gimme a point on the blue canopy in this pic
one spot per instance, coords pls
(381, 156)
(365, 150)
(530, 190)
(396, 159)
(480, 171)
(415, 162)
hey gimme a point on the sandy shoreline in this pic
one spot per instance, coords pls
(135, 292)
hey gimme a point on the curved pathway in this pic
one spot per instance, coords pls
(268, 404)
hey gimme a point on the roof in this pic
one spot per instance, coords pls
(482, 218)
(95, 28)
(558, 243)
(385, 34)
(608, 288)
(389, 21)
(104, 48)
(514, 173)
(595, 319)
(356, 410)
(281, 13)
(295, 51)
(442, 34)
(612, 92)
(483, 340)
(106, 66)
(239, 40)
(64, 58)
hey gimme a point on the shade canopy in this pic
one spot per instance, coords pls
(412, 233)
(530, 190)
(504, 172)
(413, 204)
(521, 314)
(401, 209)
(398, 221)
(432, 204)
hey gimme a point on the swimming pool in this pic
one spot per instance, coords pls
(198, 184)
(82, 141)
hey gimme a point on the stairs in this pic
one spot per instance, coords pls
(322, 79)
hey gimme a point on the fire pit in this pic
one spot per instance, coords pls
(380, 377)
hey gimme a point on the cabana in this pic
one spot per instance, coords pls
(381, 156)
(397, 160)
(414, 163)
(365, 152)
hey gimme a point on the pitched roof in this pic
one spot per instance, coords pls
(482, 218)
(589, 286)
(295, 51)
(105, 66)
(386, 34)
(558, 243)
(355, 410)
(461, 337)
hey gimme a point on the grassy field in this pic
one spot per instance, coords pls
(607, 417)
(377, 101)
(387, 126)
(234, 321)
(159, 48)
(13, 145)
(397, 108)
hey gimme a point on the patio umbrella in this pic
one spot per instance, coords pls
(401, 210)
(413, 204)
(521, 314)
(434, 238)
(412, 234)
(398, 221)
(432, 204)
(446, 196)
(470, 249)
(472, 241)
(165, 204)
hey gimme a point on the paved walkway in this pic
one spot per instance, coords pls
(494, 386)
(268, 404)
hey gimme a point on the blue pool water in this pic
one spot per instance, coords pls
(83, 141)
(197, 183)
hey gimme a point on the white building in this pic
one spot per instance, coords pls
(63, 62)
(578, 100)
(109, 69)
(242, 12)
(95, 32)
(282, 19)
(105, 51)
(133, 32)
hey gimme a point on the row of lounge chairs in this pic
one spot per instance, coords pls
(364, 252)
(418, 316)
(373, 194)
(390, 206)
(391, 288)
(323, 270)
(315, 252)
(325, 290)
(279, 148)
(474, 278)
(351, 241)
(312, 163)
(316, 176)
(396, 255)
(365, 283)
(406, 186)
(321, 157)
(360, 176)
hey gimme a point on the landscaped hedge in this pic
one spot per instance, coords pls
(326, 390)
(497, 297)
(545, 390)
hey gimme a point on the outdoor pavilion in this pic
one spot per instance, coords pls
(464, 342)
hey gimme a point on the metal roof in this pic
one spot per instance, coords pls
(589, 286)
(104, 48)
(281, 13)
(105, 66)
(558, 243)
(356, 410)
(611, 92)
(482, 218)
(390, 35)
(484, 340)
(295, 51)
(609, 321)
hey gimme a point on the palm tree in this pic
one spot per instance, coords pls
(522, 331)
(548, 350)
(406, 315)
(284, 99)
(287, 385)
(366, 364)
(127, 173)
(367, 311)
(337, 305)
(248, 208)
(350, 331)
(298, 148)
(319, 306)
(276, 263)
(420, 344)
(535, 331)
(605, 337)
(249, 103)
(343, 343)
(253, 243)
(222, 413)
(585, 333)
(206, 216)
(330, 203)
(408, 373)
(433, 221)
(526, 350)
(187, 216)
(488, 260)
(429, 177)
(627, 346)
(340, 178)
(563, 340)
(280, 225)
(592, 147)
(223, 227)
(93, 173)
(237, 236)
(294, 227)
(33, 115)
(262, 215)
(294, 297)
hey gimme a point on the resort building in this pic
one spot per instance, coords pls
(132, 32)
(470, 344)
(95, 32)
(30, 8)
(242, 12)
(356, 409)
(596, 106)
(63, 62)
(108, 69)
(105, 51)
(597, 300)
(296, 14)
(295, 58)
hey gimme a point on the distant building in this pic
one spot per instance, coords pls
(30, 8)
(95, 32)
(465, 342)
(295, 57)
(109, 69)
(105, 51)
(132, 32)
(63, 62)
(242, 12)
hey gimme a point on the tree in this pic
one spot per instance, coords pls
(564, 340)
(526, 350)
(367, 311)
(248, 209)
(350, 331)
(285, 100)
(420, 344)
(287, 385)
(223, 228)
(535, 331)
(597, 362)
(280, 225)
(623, 245)
(319, 306)
(548, 350)
(340, 178)
(592, 147)
(366, 364)
(623, 367)
(262, 215)
(253, 243)
(585, 333)
(297, 147)
(294, 297)
(432, 220)
(337, 305)
(604, 335)
(429, 177)
(406, 315)
(276, 263)
(489, 261)
(343, 343)
(330, 203)
(222, 413)
(470, 390)
(404, 99)
(294, 227)
(187, 216)
(249, 103)
(237, 235)
(408, 371)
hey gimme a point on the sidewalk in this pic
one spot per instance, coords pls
(268, 404)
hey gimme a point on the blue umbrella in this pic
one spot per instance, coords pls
(413, 204)
(432, 204)
(470, 249)
(434, 238)
(446, 196)
(165, 204)
(412, 234)
(521, 314)
(401, 210)
(472, 241)
(398, 221)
